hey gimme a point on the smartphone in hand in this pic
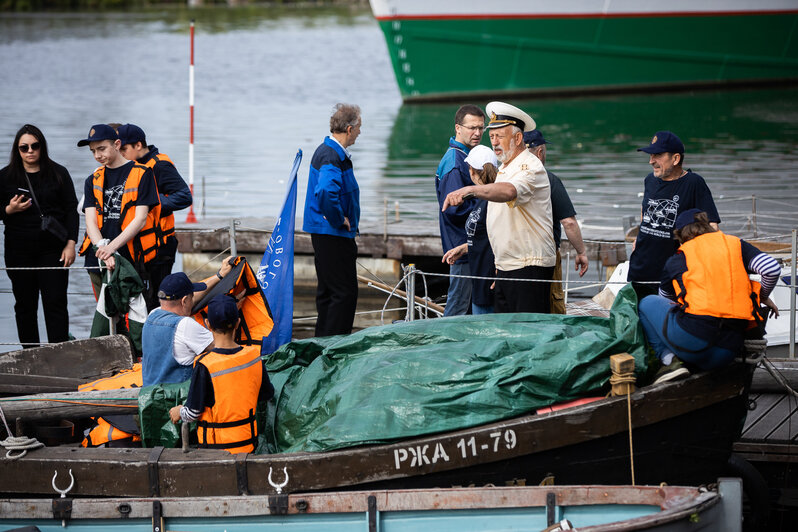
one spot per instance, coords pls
(25, 192)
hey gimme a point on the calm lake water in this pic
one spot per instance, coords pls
(267, 79)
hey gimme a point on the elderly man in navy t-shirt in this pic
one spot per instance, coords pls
(669, 190)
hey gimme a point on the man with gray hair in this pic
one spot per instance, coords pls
(332, 213)
(519, 214)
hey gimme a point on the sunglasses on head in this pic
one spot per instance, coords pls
(24, 148)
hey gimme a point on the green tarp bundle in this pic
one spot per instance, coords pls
(404, 380)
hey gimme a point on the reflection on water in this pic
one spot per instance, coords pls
(266, 81)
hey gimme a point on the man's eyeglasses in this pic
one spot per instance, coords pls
(24, 148)
(472, 128)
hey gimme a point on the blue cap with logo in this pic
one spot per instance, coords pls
(222, 312)
(686, 218)
(664, 142)
(130, 133)
(178, 285)
(99, 132)
(534, 138)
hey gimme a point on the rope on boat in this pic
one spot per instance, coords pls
(201, 266)
(14, 443)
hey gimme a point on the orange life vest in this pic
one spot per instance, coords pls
(230, 423)
(716, 282)
(141, 247)
(127, 378)
(167, 223)
(103, 430)
(256, 316)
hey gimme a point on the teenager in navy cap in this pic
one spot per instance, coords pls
(173, 193)
(226, 385)
(121, 206)
(668, 191)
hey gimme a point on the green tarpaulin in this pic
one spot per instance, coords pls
(403, 380)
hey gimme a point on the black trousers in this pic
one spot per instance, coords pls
(28, 284)
(336, 294)
(157, 269)
(521, 296)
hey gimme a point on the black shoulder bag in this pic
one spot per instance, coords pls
(49, 223)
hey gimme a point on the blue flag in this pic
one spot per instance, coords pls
(276, 272)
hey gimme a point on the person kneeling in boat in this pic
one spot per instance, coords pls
(707, 300)
(171, 338)
(226, 385)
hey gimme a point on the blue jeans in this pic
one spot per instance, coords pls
(459, 298)
(653, 311)
(481, 309)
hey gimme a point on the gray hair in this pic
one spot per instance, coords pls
(344, 115)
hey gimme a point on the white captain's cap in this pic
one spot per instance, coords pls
(503, 114)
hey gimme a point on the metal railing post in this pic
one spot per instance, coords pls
(111, 319)
(792, 296)
(567, 277)
(410, 286)
(233, 248)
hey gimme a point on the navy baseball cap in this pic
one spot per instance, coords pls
(664, 142)
(99, 132)
(534, 138)
(222, 312)
(130, 133)
(686, 218)
(177, 285)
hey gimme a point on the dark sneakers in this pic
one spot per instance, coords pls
(673, 371)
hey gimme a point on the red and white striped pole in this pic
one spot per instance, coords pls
(191, 218)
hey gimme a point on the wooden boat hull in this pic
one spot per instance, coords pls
(682, 434)
(590, 508)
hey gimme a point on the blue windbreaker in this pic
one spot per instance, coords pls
(332, 194)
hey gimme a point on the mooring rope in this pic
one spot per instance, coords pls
(17, 443)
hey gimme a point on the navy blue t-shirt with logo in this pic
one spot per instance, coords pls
(113, 189)
(662, 203)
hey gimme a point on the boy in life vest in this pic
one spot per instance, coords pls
(226, 385)
(706, 301)
(173, 193)
(121, 206)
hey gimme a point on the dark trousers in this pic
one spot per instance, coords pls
(156, 270)
(522, 296)
(336, 294)
(28, 284)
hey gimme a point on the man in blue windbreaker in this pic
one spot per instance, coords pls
(332, 213)
(452, 174)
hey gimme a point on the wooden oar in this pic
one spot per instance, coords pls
(71, 404)
(400, 293)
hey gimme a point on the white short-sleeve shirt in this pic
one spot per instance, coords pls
(520, 231)
(191, 339)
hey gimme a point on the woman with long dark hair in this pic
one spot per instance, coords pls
(33, 187)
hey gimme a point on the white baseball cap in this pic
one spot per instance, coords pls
(479, 155)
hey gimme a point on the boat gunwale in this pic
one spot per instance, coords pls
(673, 502)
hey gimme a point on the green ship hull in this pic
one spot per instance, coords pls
(449, 57)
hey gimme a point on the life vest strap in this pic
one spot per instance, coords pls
(228, 424)
(232, 445)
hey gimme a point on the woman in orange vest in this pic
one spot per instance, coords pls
(226, 385)
(706, 300)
